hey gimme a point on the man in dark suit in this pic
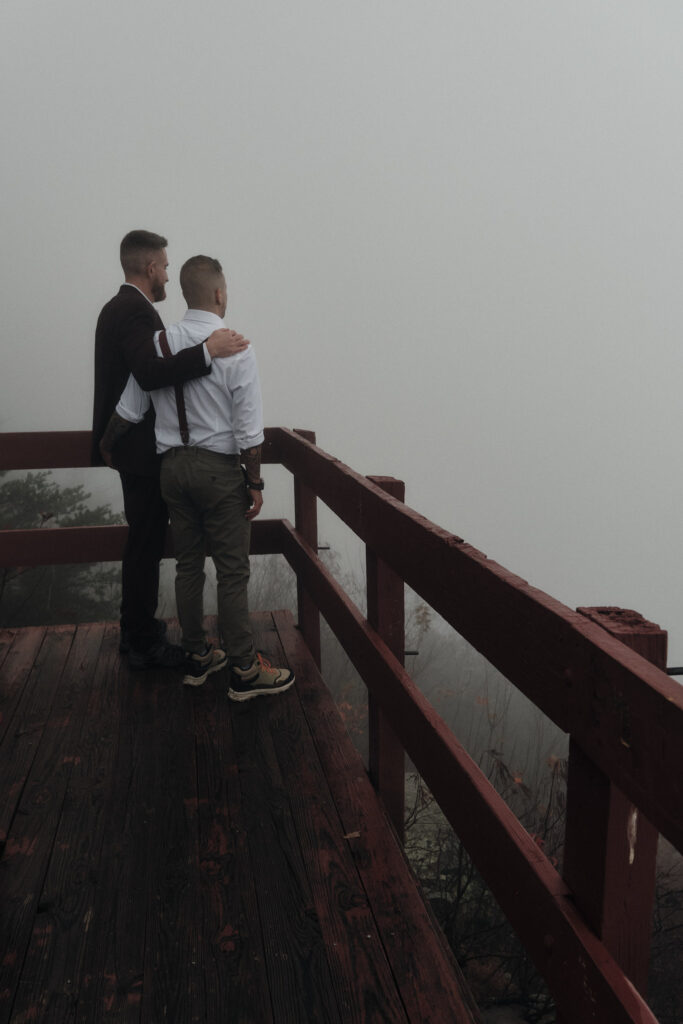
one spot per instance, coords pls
(123, 345)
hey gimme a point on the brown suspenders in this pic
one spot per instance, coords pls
(179, 397)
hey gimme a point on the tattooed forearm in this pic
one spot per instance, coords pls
(251, 459)
(115, 430)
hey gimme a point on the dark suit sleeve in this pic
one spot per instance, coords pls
(149, 369)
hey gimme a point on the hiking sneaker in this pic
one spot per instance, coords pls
(258, 679)
(199, 666)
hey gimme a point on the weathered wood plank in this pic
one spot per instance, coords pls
(114, 960)
(20, 650)
(69, 449)
(174, 945)
(583, 679)
(360, 973)
(306, 522)
(19, 746)
(577, 967)
(7, 638)
(72, 545)
(386, 614)
(425, 971)
(154, 886)
(42, 768)
(68, 545)
(57, 449)
(610, 849)
(235, 974)
(51, 970)
(298, 972)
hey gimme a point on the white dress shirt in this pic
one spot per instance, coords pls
(224, 410)
(129, 284)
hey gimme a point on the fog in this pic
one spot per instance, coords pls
(452, 230)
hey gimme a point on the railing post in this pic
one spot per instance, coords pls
(610, 847)
(386, 614)
(306, 523)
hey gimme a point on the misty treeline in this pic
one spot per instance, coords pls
(43, 595)
(521, 752)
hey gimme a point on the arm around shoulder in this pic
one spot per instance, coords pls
(150, 370)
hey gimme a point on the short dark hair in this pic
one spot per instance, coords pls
(199, 277)
(138, 249)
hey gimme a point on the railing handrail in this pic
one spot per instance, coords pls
(587, 682)
(70, 449)
(592, 686)
(580, 971)
(625, 713)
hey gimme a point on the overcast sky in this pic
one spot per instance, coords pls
(452, 230)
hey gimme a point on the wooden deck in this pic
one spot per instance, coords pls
(170, 855)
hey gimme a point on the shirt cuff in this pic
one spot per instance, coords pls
(207, 357)
(247, 441)
(130, 415)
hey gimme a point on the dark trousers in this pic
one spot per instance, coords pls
(147, 518)
(207, 500)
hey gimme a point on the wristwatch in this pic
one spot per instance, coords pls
(255, 487)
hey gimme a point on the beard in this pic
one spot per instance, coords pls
(158, 291)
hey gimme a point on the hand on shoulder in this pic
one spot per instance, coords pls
(225, 342)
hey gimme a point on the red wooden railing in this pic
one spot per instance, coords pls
(600, 677)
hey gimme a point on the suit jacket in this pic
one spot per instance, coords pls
(124, 344)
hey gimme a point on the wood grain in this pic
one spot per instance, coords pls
(173, 856)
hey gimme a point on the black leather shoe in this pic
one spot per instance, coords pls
(124, 640)
(159, 655)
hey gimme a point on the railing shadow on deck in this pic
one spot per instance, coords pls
(599, 674)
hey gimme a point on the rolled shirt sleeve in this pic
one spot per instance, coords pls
(247, 405)
(134, 402)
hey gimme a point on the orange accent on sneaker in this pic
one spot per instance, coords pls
(258, 679)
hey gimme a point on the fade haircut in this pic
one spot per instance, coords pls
(199, 278)
(138, 249)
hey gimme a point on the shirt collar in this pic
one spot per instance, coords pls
(129, 284)
(203, 316)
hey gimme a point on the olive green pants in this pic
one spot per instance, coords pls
(207, 499)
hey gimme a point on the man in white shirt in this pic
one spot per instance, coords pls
(205, 430)
(123, 345)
